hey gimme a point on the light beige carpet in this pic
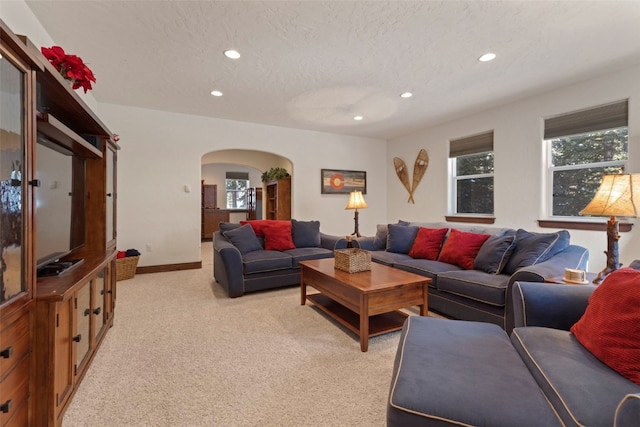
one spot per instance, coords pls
(183, 354)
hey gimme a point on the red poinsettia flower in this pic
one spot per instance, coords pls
(71, 67)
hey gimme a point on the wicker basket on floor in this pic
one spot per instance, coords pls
(352, 260)
(126, 267)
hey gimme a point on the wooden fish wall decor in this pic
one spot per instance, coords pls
(419, 168)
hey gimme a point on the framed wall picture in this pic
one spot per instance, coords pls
(335, 181)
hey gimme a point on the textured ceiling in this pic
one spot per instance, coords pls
(314, 65)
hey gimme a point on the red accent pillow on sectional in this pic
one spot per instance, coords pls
(461, 248)
(428, 243)
(277, 236)
(610, 326)
(259, 224)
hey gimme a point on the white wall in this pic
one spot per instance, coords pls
(21, 20)
(519, 160)
(259, 160)
(162, 152)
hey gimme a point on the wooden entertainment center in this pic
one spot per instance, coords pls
(51, 327)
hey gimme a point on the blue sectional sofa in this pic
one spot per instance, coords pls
(451, 372)
(481, 292)
(243, 261)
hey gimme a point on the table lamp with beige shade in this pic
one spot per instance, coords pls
(618, 195)
(356, 201)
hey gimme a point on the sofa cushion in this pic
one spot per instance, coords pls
(424, 267)
(628, 411)
(262, 261)
(306, 234)
(244, 239)
(259, 224)
(583, 390)
(400, 238)
(226, 226)
(476, 285)
(471, 228)
(610, 326)
(303, 254)
(461, 248)
(428, 243)
(448, 372)
(277, 236)
(494, 254)
(388, 258)
(533, 248)
(380, 240)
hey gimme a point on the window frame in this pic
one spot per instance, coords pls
(226, 193)
(549, 189)
(455, 179)
(598, 118)
(473, 145)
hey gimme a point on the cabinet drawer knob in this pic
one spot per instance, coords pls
(97, 310)
(87, 311)
(5, 407)
(7, 352)
(77, 338)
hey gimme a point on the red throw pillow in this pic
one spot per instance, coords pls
(277, 236)
(428, 243)
(610, 326)
(259, 224)
(461, 248)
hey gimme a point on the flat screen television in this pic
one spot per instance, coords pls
(59, 201)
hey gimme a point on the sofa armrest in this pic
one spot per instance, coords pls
(227, 265)
(365, 243)
(550, 305)
(628, 411)
(573, 256)
(331, 242)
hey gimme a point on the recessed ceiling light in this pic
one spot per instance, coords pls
(406, 95)
(233, 54)
(358, 118)
(216, 93)
(487, 57)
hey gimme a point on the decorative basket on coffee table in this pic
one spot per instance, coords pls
(352, 260)
(126, 267)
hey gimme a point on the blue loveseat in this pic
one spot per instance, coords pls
(451, 372)
(480, 293)
(243, 262)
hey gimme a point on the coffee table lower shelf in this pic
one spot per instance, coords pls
(378, 324)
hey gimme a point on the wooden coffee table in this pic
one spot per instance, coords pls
(366, 303)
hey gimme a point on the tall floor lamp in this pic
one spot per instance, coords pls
(356, 201)
(618, 195)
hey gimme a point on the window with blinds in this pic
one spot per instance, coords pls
(582, 146)
(471, 166)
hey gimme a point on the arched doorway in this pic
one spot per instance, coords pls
(216, 166)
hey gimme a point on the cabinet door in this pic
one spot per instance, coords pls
(82, 337)
(13, 132)
(210, 196)
(98, 304)
(110, 291)
(63, 372)
(111, 196)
